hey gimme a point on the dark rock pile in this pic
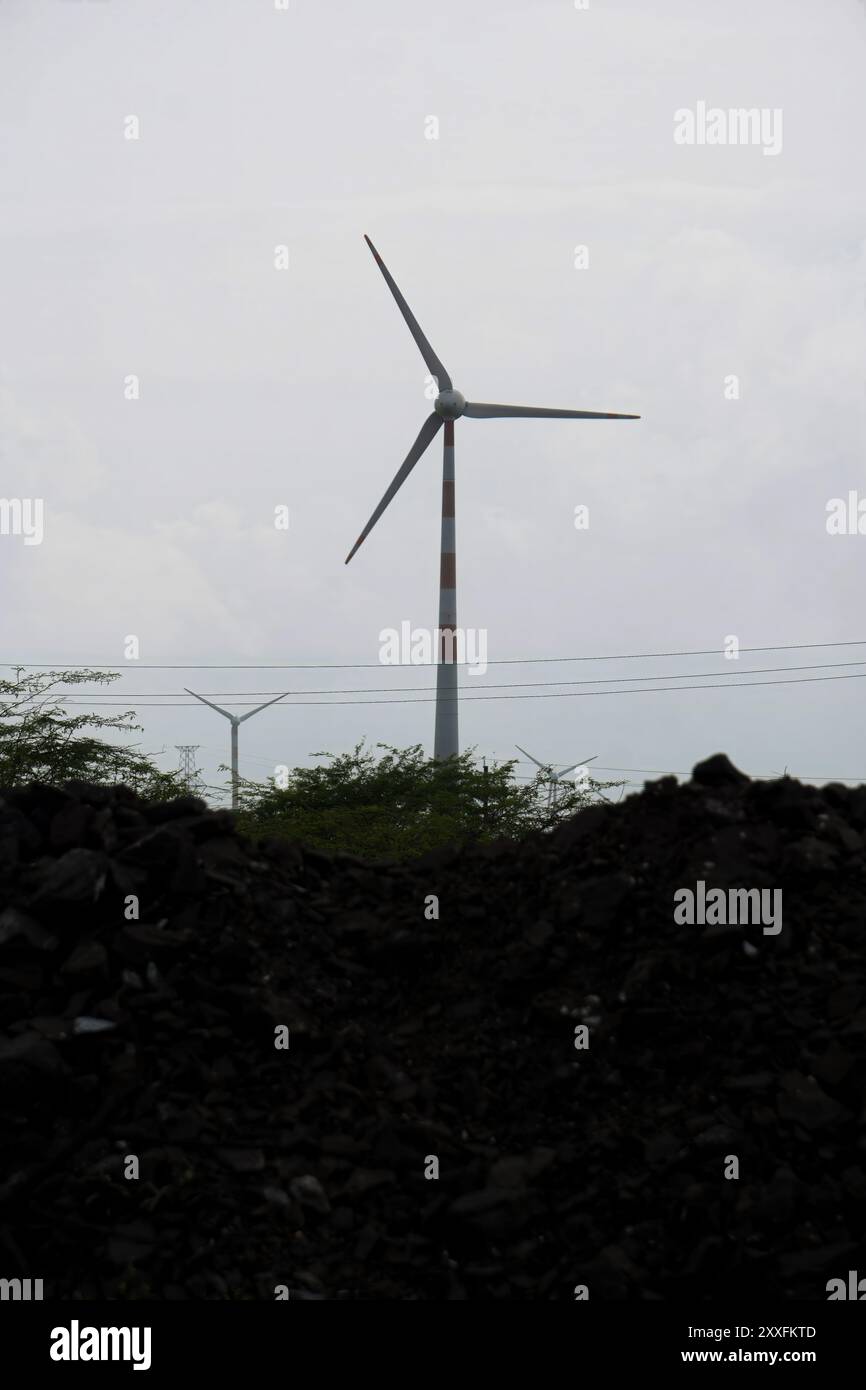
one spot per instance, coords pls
(413, 1039)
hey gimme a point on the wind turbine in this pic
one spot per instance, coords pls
(236, 720)
(553, 778)
(449, 406)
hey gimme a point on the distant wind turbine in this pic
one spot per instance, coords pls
(553, 778)
(236, 720)
(448, 406)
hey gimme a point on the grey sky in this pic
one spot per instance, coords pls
(259, 387)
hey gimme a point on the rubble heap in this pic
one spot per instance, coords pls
(150, 956)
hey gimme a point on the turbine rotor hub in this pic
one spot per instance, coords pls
(450, 405)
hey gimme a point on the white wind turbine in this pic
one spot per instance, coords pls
(450, 405)
(553, 777)
(236, 720)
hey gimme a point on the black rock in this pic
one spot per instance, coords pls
(539, 1089)
(718, 771)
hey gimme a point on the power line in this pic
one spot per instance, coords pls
(667, 772)
(644, 771)
(377, 665)
(469, 699)
(755, 776)
(495, 685)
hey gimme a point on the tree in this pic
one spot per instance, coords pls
(401, 803)
(40, 741)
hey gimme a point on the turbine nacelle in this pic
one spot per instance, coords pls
(450, 405)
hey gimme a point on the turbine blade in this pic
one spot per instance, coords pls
(544, 766)
(576, 765)
(426, 434)
(433, 363)
(251, 712)
(209, 702)
(481, 410)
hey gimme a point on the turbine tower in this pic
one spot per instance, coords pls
(553, 778)
(449, 406)
(236, 720)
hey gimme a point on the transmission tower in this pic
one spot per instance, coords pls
(186, 765)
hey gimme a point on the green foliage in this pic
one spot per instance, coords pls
(402, 803)
(41, 741)
(393, 803)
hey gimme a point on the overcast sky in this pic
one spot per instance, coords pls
(258, 387)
